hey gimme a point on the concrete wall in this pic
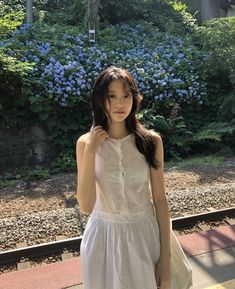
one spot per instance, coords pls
(29, 146)
(231, 11)
(207, 9)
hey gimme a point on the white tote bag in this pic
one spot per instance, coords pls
(181, 270)
(180, 267)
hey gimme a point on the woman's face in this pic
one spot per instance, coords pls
(120, 99)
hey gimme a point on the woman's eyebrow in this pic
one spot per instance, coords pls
(113, 91)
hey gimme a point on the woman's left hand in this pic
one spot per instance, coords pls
(163, 274)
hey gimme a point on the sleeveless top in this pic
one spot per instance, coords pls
(122, 179)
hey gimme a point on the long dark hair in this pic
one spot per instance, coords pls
(144, 140)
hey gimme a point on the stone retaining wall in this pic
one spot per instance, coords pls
(29, 146)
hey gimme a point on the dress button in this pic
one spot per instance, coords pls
(122, 173)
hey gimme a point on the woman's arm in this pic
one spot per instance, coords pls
(160, 199)
(86, 190)
(86, 148)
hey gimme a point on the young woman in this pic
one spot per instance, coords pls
(126, 243)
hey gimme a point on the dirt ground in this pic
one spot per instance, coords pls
(59, 190)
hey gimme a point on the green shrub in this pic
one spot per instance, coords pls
(64, 162)
(217, 38)
(11, 17)
(13, 82)
(180, 141)
(16, 6)
(173, 129)
(167, 15)
(170, 16)
(9, 22)
(120, 10)
(60, 12)
(214, 131)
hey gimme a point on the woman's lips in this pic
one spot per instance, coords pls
(119, 112)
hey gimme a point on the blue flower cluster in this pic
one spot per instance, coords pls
(64, 71)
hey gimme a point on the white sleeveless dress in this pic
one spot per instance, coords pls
(121, 243)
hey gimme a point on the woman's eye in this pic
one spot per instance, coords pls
(112, 96)
(127, 96)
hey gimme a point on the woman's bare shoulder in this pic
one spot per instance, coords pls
(83, 138)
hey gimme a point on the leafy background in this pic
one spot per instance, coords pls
(184, 70)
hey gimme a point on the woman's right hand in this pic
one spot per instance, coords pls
(96, 136)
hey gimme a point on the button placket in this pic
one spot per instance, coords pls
(121, 161)
(129, 170)
(120, 158)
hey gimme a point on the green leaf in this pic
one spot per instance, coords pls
(36, 107)
(26, 90)
(43, 115)
(33, 99)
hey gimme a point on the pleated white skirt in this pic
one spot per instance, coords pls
(120, 252)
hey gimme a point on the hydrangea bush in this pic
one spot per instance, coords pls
(167, 69)
(164, 66)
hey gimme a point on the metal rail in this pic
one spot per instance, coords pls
(181, 222)
(14, 255)
(39, 250)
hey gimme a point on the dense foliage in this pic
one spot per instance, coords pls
(217, 38)
(167, 15)
(165, 67)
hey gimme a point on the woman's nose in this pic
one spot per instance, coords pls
(119, 101)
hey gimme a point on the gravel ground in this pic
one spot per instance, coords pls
(39, 211)
(40, 227)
